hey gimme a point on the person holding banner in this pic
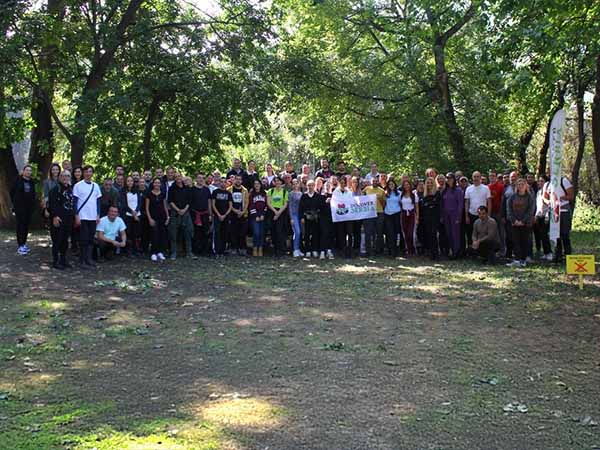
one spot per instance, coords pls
(392, 217)
(541, 225)
(356, 224)
(344, 197)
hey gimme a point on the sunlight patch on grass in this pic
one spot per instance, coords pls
(241, 412)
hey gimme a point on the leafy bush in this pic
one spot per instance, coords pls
(587, 216)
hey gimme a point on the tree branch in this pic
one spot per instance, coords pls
(458, 25)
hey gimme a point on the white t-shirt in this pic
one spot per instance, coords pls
(560, 192)
(82, 190)
(477, 196)
(132, 202)
(111, 229)
(407, 203)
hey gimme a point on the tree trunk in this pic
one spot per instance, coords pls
(580, 139)
(596, 118)
(455, 136)
(542, 168)
(524, 142)
(8, 174)
(150, 119)
(42, 148)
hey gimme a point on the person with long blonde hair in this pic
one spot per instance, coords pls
(430, 216)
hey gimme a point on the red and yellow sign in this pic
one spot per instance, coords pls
(581, 265)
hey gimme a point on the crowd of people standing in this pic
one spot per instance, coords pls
(163, 214)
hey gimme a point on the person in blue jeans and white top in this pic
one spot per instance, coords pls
(294, 207)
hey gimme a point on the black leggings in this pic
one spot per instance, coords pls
(60, 240)
(311, 236)
(159, 237)
(279, 234)
(23, 222)
(392, 229)
(521, 236)
(344, 237)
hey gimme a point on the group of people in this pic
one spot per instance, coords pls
(163, 214)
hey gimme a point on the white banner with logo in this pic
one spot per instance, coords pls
(556, 156)
(344, 208)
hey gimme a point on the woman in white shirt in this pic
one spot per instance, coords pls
(344, 197)
(541, 224)
(409, 216)
(133, 204)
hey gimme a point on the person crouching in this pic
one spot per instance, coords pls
(111, 233)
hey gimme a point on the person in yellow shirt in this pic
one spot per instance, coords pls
(374, 226)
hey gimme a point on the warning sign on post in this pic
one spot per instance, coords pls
(581, 265)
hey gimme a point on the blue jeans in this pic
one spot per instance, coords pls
(296, 227)
(258, 233)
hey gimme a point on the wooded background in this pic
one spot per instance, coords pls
(406, 83)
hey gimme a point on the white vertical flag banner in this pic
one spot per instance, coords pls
(556, 156)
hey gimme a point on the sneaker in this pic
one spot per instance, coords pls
(26, 248)
(330, 254)
(173, 257)
(161, 257)
(514, 263)
(315, 254)
(529, 260)
(523, 263)
(154, 258)
(548, 257)
(297, 254)
(21, 251)
(322, 255)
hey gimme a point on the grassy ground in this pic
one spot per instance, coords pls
(247, 354)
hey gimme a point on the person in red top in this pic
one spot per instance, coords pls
(496, 187)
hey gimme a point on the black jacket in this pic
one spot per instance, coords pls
(61, 203)
(22, 195)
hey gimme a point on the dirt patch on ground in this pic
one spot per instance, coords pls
(287, 354)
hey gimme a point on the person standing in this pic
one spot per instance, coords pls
(342, 195)
(251, 175)
(201, 216)
(222, 204)
(392, 213)
(324, 172)
(373, 174)
(431, 206)
(505, 223)
(157, 213)
(326, 229)
(179, 198)
(87, 197)
(133, 204)
(257, 209)
(374, 227)
(61, 211)
(541, 224)
(520, 212)
(294, 207)
(409, 217)
(452, 212)
(357, 225)
(440, 183)
(50, 183)
(476, 195)
(310, 203)
(239, 216)
(496, 187)
(143, 189)
(565, 194)
(277, 202)
(23, 197)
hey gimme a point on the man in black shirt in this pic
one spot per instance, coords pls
(222, 204)
(324, 172)
(341, 169)
(201, 215)
(239, 216)
(237, 170)
(179, 202)
(251, 176)
(62, 215)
